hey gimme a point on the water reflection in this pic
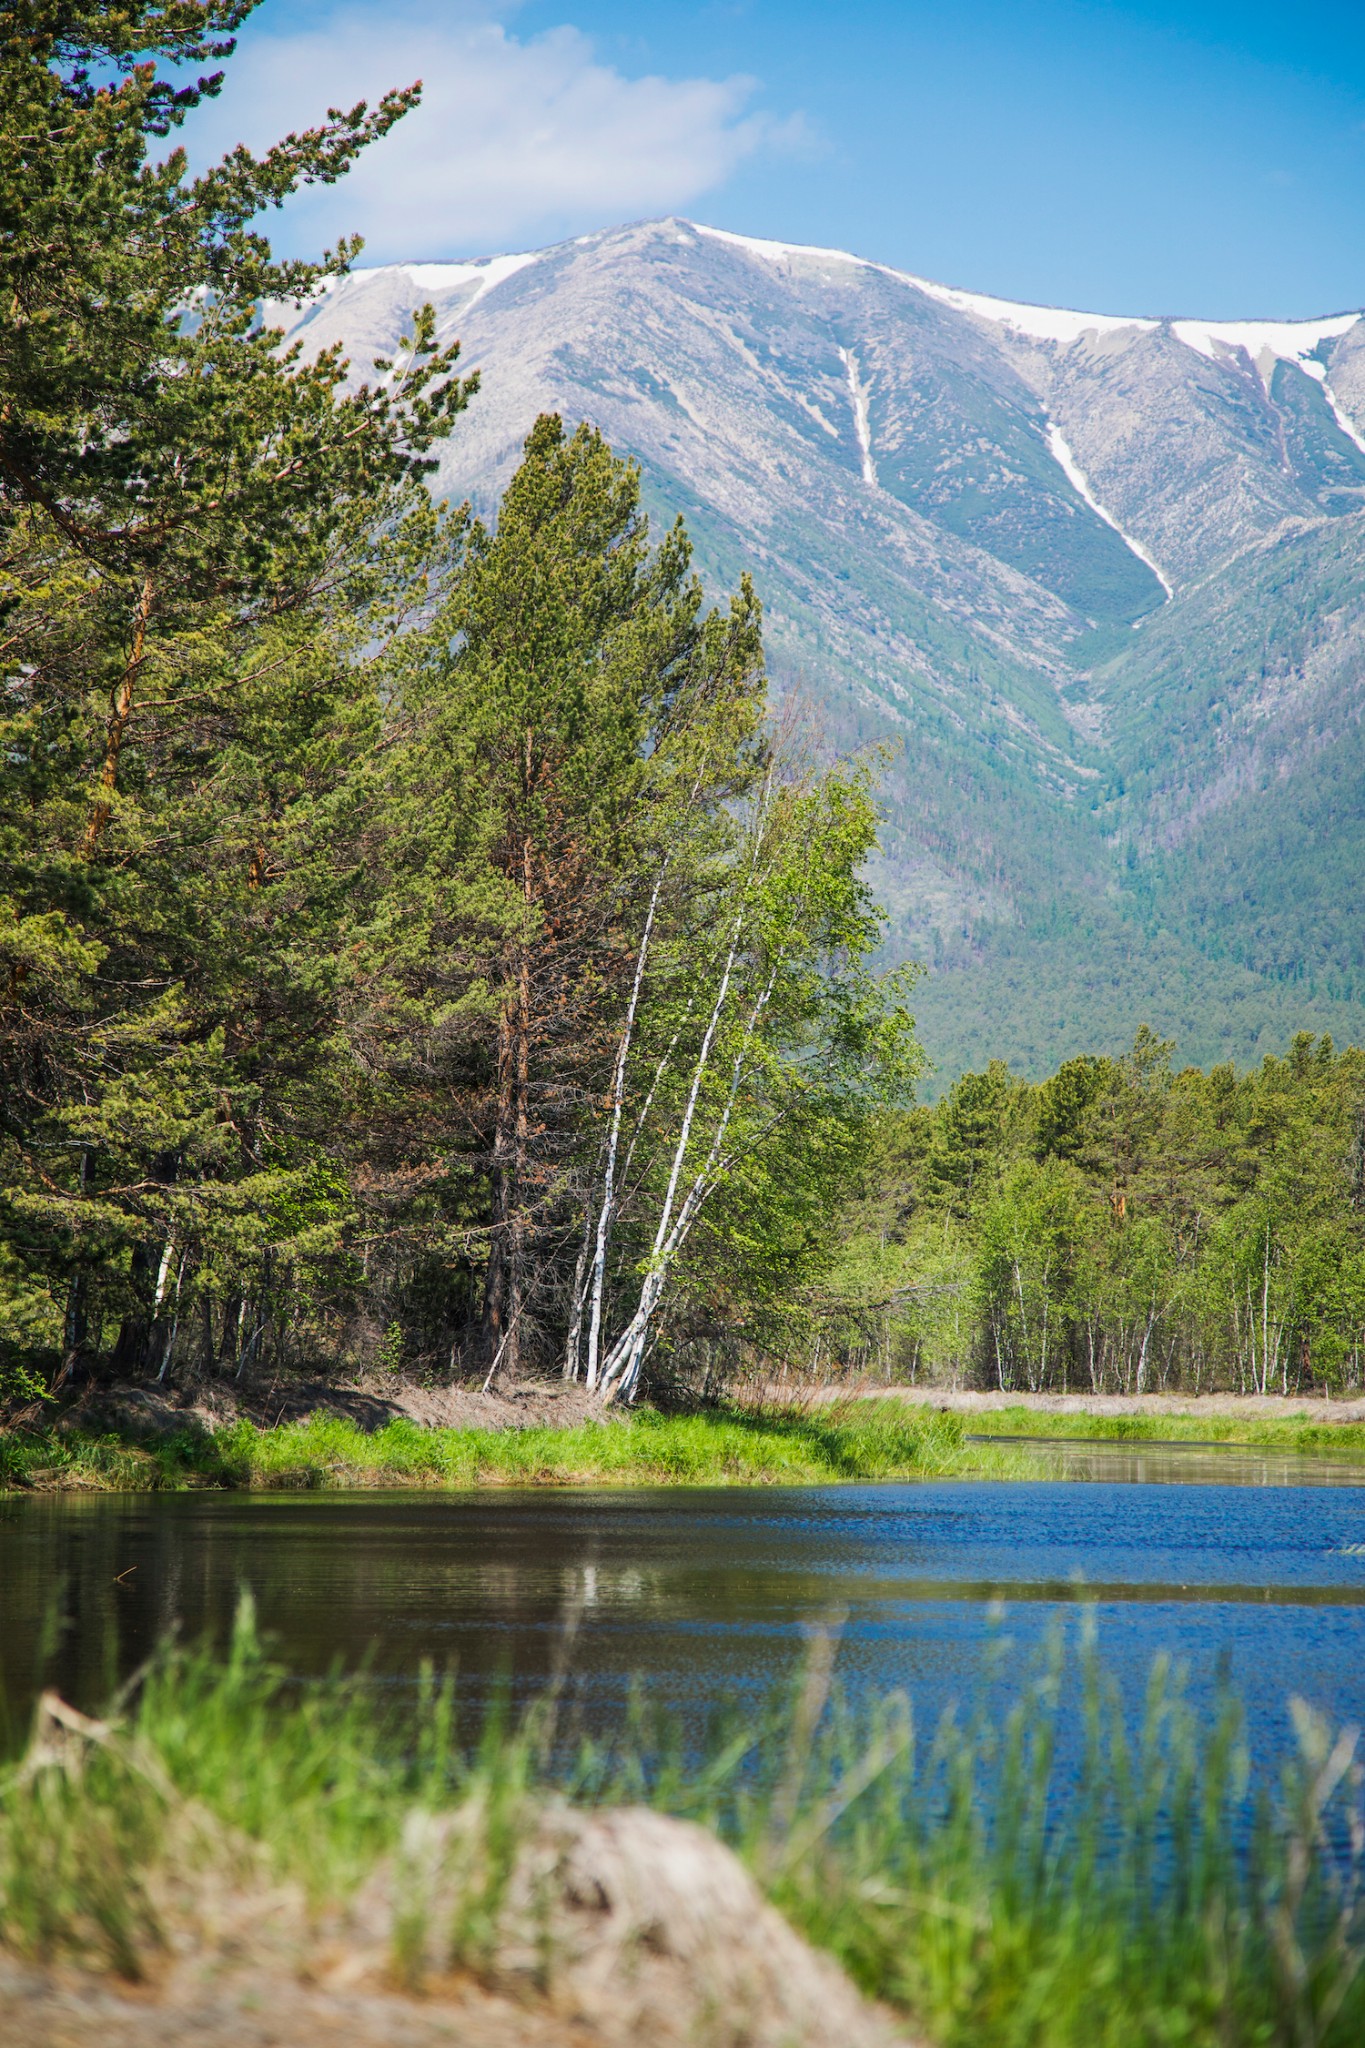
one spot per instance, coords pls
(707, 1596)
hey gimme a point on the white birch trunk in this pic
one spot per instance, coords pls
(607, 1211)
(162, 1270)
(580, 1274)
(621, 1372)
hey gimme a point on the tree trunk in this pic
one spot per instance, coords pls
(495, 1279)
(621, 1372)
(606, 1214)
(1265, 1317)
(574, 1342)
(76, 1322)
(516, 1293)
(139, 1334)
(1148, 1327)
(505, 1287)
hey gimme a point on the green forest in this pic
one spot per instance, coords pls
(1121, 1228)
(423, 945)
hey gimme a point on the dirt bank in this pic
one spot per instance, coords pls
(155, 1411)
(247, 2007)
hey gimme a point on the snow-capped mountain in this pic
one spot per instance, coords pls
(1102, 575)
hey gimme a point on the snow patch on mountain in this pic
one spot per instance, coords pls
(1343, 420)
(1060, 450)
(858, 395)
(486, 273)
(777, 252)
(490, 271)
(1039, 323)
(1291, 341)
(1267, 342)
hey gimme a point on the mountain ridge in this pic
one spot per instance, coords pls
(440, 271)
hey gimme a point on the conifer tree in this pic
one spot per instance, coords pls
(613, 968)
(571, 705)
(184, 509)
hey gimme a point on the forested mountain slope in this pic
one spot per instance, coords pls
(1103, 579)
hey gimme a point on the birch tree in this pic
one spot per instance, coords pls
(1029, 1234)
(766, 1048)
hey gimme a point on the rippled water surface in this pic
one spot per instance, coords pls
(708, 1596)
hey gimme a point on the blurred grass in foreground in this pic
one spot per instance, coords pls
(1140, 1896)
(864, 1440)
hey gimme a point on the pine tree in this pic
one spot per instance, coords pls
(570, 702)
(185, 509)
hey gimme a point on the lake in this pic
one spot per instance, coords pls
(707, 1597)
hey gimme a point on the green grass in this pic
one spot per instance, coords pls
(854, 1441)
(1292, 1433)
(847, 1440)
(1141, 1898)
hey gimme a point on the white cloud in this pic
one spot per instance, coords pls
(514, 140)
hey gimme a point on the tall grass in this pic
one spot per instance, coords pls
(1062, 1880)
(1067, 1881)
(856, 1440)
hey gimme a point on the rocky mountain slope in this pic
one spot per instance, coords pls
(1102, 578)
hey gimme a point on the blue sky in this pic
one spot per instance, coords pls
(1121, 155)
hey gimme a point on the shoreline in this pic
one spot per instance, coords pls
(859, 1442)
(824, 1437)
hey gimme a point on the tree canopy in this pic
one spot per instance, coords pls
(420, 939)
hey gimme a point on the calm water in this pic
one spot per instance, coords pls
(947, 1590)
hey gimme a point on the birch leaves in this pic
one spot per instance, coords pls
(757, 1052)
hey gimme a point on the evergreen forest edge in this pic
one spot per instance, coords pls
(422, 944)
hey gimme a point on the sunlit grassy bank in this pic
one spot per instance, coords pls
(847, 1440)
(862, 1440)
(1290, 1433)
(1138, 1896)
